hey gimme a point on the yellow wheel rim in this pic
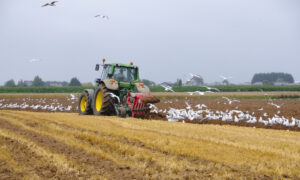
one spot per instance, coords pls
(83, 104)
(99, 101)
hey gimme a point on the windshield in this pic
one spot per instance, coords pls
(106, 71)
(125, 74)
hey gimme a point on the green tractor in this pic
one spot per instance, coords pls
(118, 92)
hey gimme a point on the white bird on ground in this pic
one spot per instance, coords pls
(114, 96)
(68, 108)
(168, 88)
(252, 120)
(265, 114)
(72, 97)
(102, 16)
(200, 106)
(261, 109)
(53, 3)
(188, 106)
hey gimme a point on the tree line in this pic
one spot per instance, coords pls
(271, 78)
(38, 82)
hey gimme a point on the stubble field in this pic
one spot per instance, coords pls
(38, 145)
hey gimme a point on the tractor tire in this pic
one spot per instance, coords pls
(103, 103)
(84, 104)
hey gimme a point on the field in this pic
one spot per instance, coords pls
(36, 145)
(43, 137)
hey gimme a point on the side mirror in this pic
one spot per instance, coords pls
(97, 67)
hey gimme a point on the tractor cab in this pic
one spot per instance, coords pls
(119, 72)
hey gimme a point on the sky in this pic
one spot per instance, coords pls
(167, 39)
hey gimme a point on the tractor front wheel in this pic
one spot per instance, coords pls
(103, 103)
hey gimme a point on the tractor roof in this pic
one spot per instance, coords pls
(120, 64)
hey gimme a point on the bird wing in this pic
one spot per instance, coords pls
(47, 4)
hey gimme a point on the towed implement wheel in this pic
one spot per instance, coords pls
(103, 103)
(84, 105)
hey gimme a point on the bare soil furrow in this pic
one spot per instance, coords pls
(8, 173)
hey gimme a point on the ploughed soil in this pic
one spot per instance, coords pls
(255, 107)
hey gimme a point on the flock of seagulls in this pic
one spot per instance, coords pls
(53, 3)
(39, 104)
(203, 113)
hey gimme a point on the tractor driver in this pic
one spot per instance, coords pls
(120, 76)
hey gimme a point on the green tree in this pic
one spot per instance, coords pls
(178, 82)
(10, 83)
(271, 78)
(37, 81)
(21, 83)
(74, 82)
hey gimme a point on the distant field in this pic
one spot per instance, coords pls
(69, 146)
(152, 88)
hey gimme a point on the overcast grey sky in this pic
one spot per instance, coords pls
(165, 38)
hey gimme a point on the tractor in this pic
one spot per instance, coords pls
(119, 91)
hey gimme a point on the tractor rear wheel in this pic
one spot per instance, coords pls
(103, 103)
(84, 104)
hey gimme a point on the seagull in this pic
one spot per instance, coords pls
(210, 88)
(229, 100)
(34, 60)
(276, 105)
(50, 4)
(168, 88)
(225, 78)
(102, 16)
(72, 96)
(261, 109)
(114, 96)
(199, 92)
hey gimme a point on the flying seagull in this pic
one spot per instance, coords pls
(34, 60)
(102, 16)
(210, 88)
(50, 4)
(168, 88)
